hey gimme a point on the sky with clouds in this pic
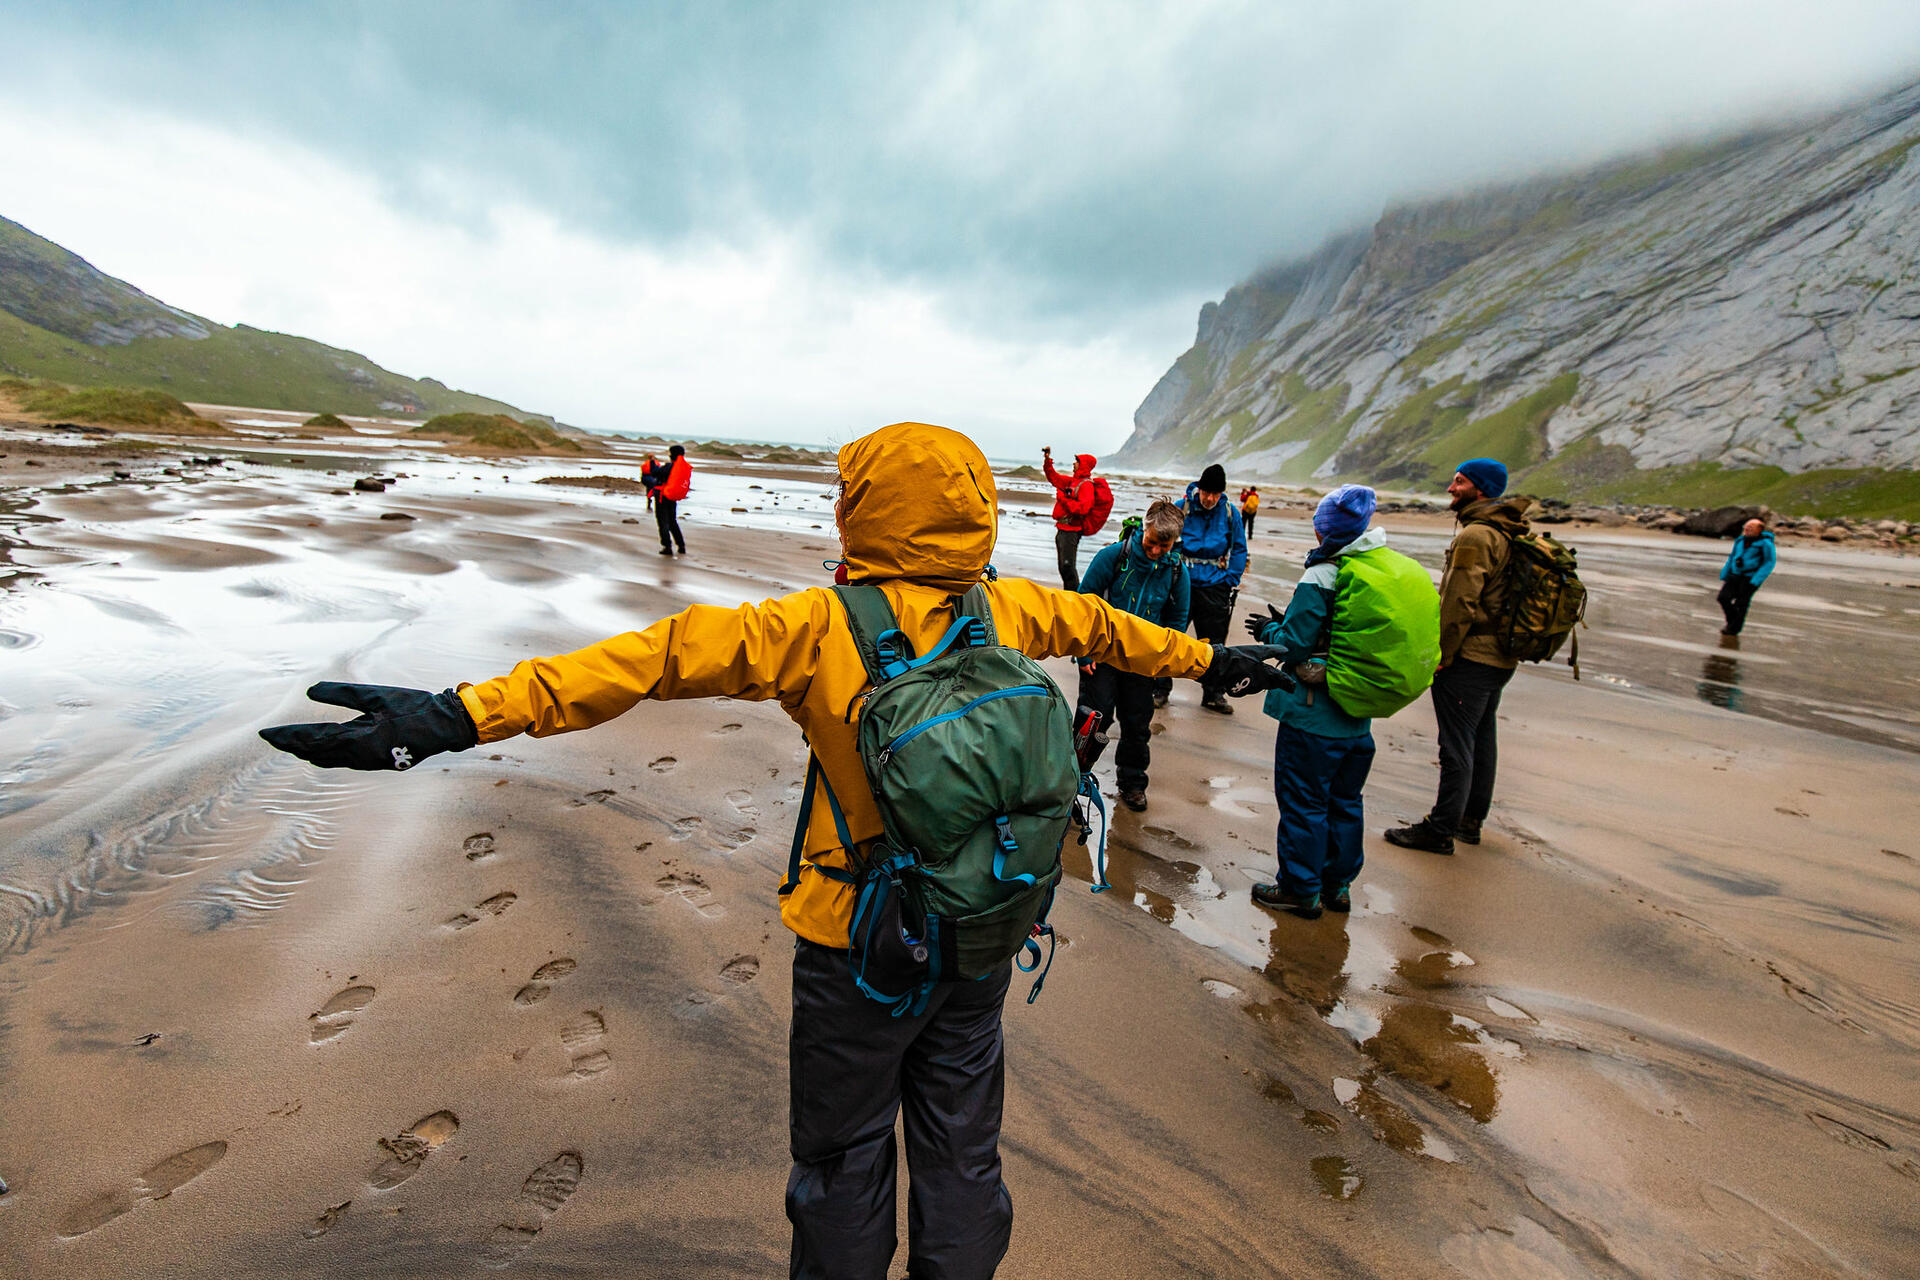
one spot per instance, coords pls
(799, 221)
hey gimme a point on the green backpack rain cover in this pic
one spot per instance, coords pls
(1386, 633)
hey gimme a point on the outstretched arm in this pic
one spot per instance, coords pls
(753, 651)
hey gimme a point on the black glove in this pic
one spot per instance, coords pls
(398, 728)
(1242, 669)
(1257, 625)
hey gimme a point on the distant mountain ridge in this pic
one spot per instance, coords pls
(64, 319)
(1732, 321)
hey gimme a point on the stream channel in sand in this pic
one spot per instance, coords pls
(151, 626)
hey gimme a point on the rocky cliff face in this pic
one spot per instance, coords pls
(1744, 315)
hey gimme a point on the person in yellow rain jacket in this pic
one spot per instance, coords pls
(917, 518)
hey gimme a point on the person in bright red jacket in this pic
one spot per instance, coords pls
(1072, 506)
(666, 500)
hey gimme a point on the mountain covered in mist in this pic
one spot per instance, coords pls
(1737, 321)
(63, 319)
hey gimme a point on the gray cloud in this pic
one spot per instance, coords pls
(1063, 166)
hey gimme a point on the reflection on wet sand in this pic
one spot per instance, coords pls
(1720, 678)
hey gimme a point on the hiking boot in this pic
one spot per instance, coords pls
(666, 551)
(1135, 800)
(1341, 899)
(1420, 836)
(1304, 905)
(1469, 832)
(1160, 697)
(1217, 702)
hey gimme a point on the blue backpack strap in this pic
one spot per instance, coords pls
(974, 604)
(816, 776)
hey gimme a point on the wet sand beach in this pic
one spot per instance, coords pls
(526, 1007)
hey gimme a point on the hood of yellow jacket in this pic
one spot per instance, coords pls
(918, 502)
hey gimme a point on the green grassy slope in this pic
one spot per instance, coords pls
(63, 319)
(232, 366)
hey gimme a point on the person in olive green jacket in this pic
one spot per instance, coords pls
(1474, 666)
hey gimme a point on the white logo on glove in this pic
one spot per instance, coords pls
(402, 758)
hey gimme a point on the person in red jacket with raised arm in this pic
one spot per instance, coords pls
(666, 500)
(1072, 505)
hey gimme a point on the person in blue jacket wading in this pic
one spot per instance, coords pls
(1143, 575)
(1747, 566)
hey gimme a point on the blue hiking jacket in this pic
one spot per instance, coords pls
(1751, 558)
(1126, 577)
(1210, 538)
(1305, 633)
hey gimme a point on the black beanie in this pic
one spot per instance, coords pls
(676, 452)
(1213, 479)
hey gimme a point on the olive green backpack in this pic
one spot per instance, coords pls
(969, 752)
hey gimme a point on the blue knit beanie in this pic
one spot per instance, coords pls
(1343, 514)
(1488, 476)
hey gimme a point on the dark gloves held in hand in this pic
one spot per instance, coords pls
(397, 728)
(1257, 625)
(1243, 669)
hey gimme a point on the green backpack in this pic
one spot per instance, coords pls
(970, 755)
(1386, 633)
(1545, 599)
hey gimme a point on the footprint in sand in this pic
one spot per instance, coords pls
(541, 1195)
(592, 797)
(692, 890)
(741, 970)
(494, 906)
(407, 1151)
(540, 985)
(582, 1038)
(328, 1216)
(684, 828)
(742, 801)
(726, 728)
(663, 765)
(336, 1015)
(478, 846)
(157, 1183)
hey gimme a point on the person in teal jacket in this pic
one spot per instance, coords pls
(1747, 566)
(1142, 575)
(1321, 755)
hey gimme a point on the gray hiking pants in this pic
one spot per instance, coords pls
(853, 1069)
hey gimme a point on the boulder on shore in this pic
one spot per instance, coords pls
(1721, 522)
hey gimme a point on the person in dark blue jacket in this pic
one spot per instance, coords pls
(1143, 575)
(1214, 545)
(1748, 565)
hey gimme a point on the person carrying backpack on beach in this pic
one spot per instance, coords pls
(1214, 546)
(1143, 575)
(917, 520)
(1080, 508)
(1475, 665)
(1249, 508)
(1747, 566)
(1361, 635)
(667, 497)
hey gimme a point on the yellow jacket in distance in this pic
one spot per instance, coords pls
(918, 509)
